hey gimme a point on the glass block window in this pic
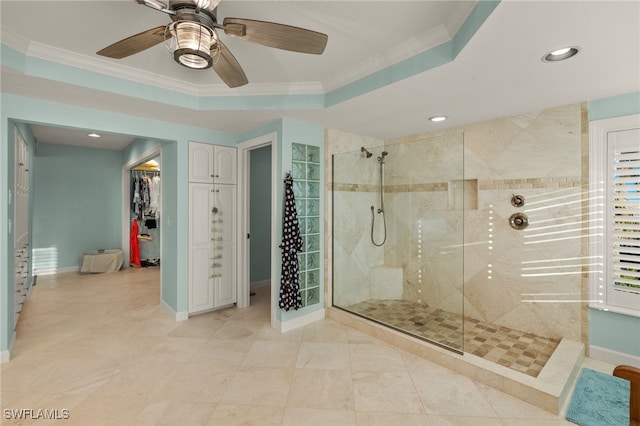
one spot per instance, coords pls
(305, 170)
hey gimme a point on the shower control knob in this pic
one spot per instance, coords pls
(518, 221)
(517, 200)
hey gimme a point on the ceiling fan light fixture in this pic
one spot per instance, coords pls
(192, 44)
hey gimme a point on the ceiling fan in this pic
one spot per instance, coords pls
(194, 42)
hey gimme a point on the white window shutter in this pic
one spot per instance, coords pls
(623, 219)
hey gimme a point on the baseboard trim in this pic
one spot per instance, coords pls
(55, 271)
(5, 356)
(294, 323)
(177, 316)
(613, 357)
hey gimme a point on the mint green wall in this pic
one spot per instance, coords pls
(174, 262)
(77, 202)
(260, 214)
(615, 106)
(175, 181)
(138, 147)
(616, 332)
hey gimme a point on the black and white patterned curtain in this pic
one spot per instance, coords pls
(291, 245)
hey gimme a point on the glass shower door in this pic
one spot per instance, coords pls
(398, 236)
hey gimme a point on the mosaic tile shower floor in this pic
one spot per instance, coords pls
(520, 351)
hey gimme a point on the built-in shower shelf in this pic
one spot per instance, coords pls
(549, 390)
(463, 194)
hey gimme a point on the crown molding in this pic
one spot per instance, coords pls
(106, 67)
(99, 65)
(399, 53)
(14, 40)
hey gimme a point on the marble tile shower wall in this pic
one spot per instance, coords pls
(530, 279)
(425, 231)
(417, 217)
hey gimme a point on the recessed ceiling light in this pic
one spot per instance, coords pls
(437, 118)
(93, 135)
(561, 54)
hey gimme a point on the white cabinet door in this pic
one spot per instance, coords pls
(21, 224)
(212, 163)
(224, 232)
(212, 246)
(201, 286)
(200, 162)
(201, 283)
(224, 168)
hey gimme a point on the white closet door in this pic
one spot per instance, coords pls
(201, 290)
(225, 247)
(201, 283)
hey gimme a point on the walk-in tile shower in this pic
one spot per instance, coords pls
(471, 240)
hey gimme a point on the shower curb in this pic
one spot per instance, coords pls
(549, 391)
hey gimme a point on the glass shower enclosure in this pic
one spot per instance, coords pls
(398, 236)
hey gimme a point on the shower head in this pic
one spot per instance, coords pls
(384, 153)
(363, 149)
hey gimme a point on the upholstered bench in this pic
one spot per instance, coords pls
(98, 261)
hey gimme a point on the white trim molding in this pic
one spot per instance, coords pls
(177, 316)
(598, 154)
(298, 322)
(613, 357)
(5, 356)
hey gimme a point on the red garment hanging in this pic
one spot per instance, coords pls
(134, 245)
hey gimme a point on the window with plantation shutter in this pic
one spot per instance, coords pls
(623, 218)
(614, 215)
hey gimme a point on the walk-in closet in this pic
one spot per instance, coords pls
(145, 215)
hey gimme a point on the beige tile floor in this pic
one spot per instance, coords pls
(101, 347)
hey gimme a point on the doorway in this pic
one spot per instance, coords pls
(256, 230)
(148, 218)
(259, 217)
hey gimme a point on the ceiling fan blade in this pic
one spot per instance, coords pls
(228, 68)
(134, 44)
(276, 35)
(154, 4)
